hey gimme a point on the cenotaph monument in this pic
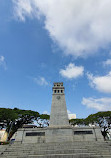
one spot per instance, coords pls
(59, 140)
(58, 116)
(59, 128)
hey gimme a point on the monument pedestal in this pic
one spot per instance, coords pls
(59, 134)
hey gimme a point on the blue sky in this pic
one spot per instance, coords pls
(42, 43)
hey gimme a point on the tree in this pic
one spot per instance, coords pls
(7, 114)
(15, 118)
(18, 123)
(103, 119)
(79, 122)
(43, 120)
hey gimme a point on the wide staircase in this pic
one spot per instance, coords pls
(58, 150)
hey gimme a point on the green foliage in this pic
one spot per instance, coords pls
(12, 114)
(7, 114)
(15, 118)
(77, 122)
(45, 116)
(26, 112)
(43, 120)
(102, 119)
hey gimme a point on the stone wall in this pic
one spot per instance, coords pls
(45, 135)
(87, 134)
(30, 135)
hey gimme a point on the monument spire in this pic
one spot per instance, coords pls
(58, 116)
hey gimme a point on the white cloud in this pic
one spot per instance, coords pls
(2, 59)
(41, 81)
(23, 8)
(107, 62)
(2, 62)
(100, 83)
(71, 71)
(79, 27)
(101, 104)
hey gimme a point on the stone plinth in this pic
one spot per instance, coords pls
(59, 134)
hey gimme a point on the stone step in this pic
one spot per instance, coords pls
(60, 145)
(2, 148)
(83, 155)
(56, 152)
(49, 152)
(81, 146)
(75, 142)
(47, 148)
(59, 150)
(79, 142)
(63, 156)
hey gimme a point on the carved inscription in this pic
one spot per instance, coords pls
(82, 132)
(35, 134)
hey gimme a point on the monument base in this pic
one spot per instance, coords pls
(87, 134)
(59, 134)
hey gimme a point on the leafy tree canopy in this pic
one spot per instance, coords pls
(15, 118)
(13, 114)
(102, 119)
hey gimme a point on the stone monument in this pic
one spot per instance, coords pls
(58, 116)
(59, 129)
